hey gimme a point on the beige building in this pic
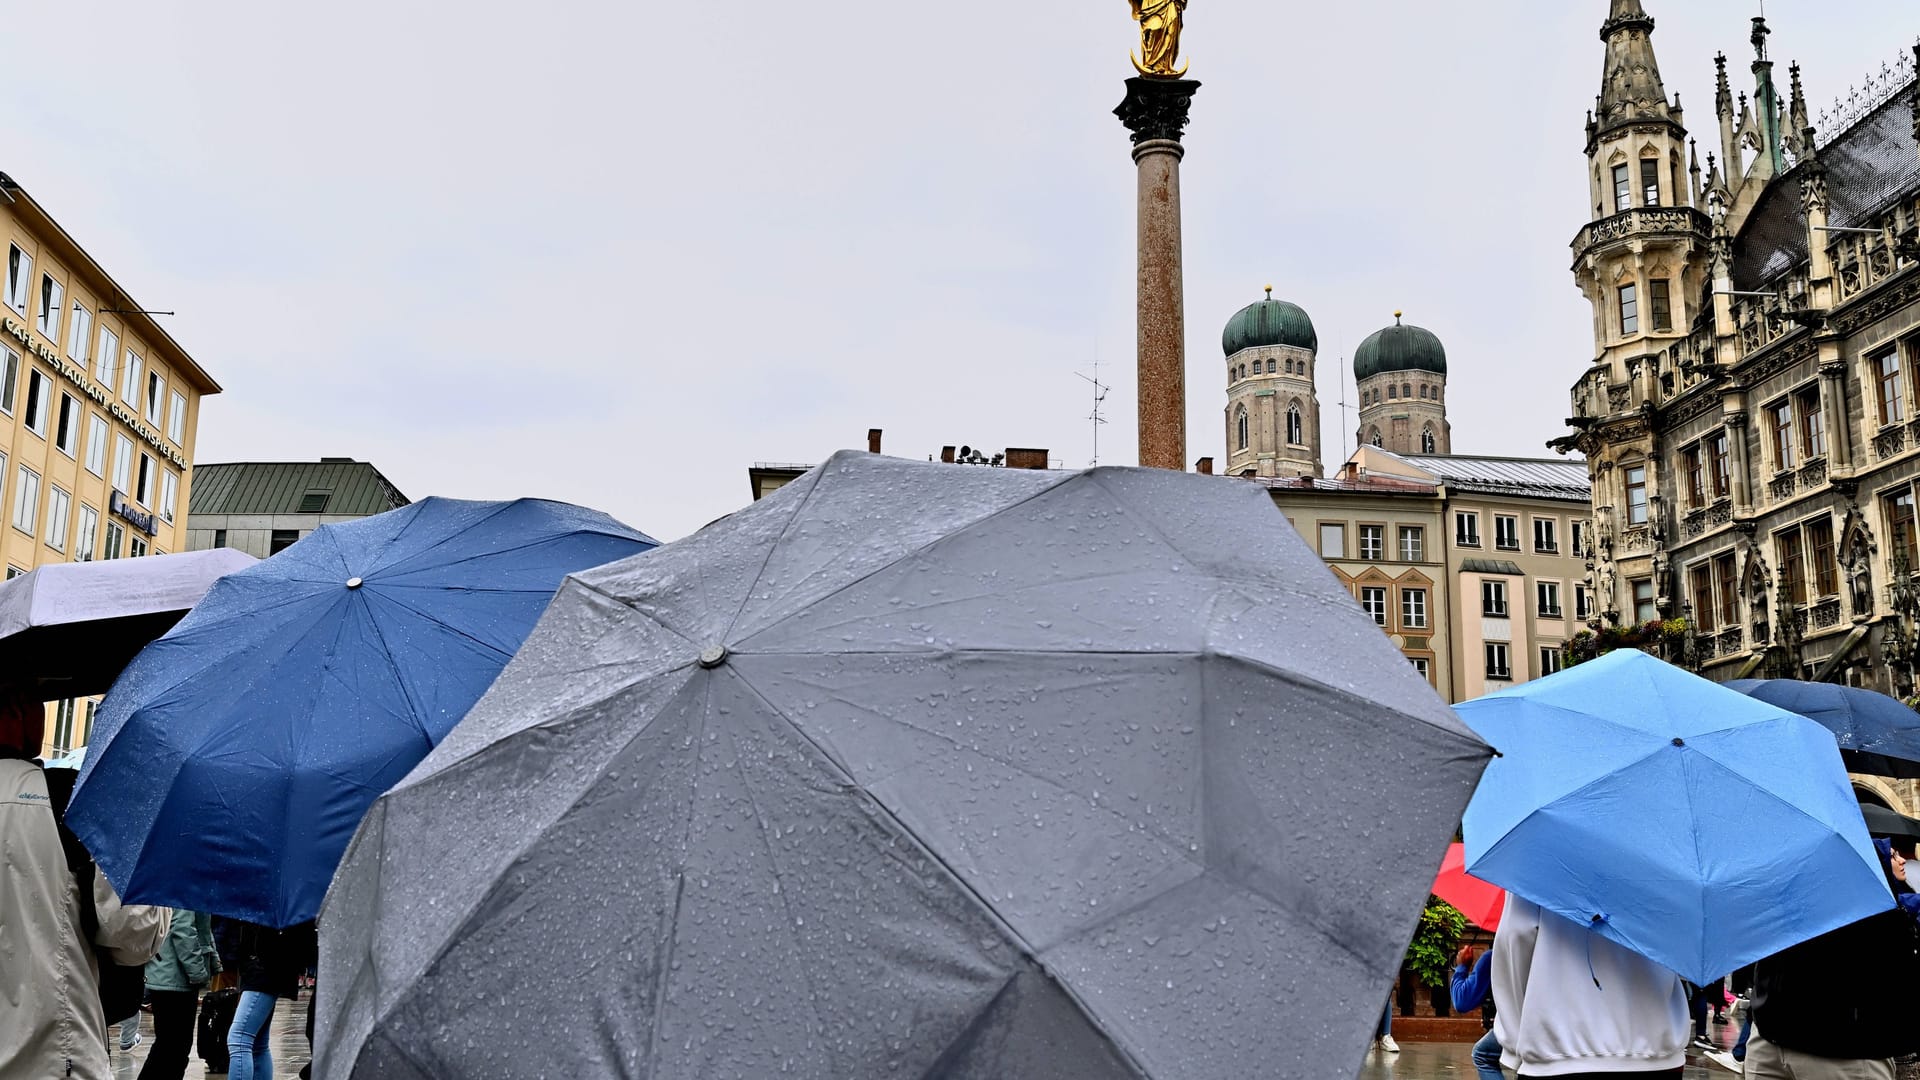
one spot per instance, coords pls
(98, 407)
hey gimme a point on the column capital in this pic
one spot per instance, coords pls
(1156, 109)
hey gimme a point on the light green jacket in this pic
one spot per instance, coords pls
(187, 959)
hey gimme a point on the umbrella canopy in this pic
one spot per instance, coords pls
(1878, 735)
(232, 761)
(68, 629)
(914, 770)
(1481, 902)
(1698, 827)
(1889, 823)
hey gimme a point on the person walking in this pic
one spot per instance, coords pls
(270, 967)
(1572, 1004)
(1472, 984)
(174, 980)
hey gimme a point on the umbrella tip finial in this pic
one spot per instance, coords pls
(353, 583)
(713, 656)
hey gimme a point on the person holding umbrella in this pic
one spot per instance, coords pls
(1472, 984)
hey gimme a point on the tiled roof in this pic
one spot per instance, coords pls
(1547, 478)
(352, 488)
(1869, 167)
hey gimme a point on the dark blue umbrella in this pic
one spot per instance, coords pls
(1878, 735)
(232, 761)
(1696, 827)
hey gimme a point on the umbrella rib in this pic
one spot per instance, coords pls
(629, 605)
(530, 542)
(413, 522)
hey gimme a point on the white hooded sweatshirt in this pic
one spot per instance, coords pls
(1570, 1001)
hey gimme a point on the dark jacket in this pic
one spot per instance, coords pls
(1850, 994)
(272, 961)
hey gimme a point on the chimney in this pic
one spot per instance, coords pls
(1021, 457)
(873, 440)
(1204, 466)
(946, 454)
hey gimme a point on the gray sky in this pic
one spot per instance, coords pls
(614, 253)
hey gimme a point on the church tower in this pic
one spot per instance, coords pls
(1402, 377)
(1646, 264)
(1273, 414)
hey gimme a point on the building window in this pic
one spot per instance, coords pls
(169, 493)
(1296, 432)
(156, 395)
(1694, 467)
(19, 278)
(135, 381)
(136, 547)
(1506, 532)
(52, 298)
(1579, 533)
(1820, 552)
(116, 535)
(1333, 541)
(1582, 602)
(1406, 391)
(1644, 608)
(97, 445)
(1793, 566)
(1393, 392)
(1629, 310)
(9, 379)
(1622, 189)
(1374, 600)
(314, 502)
(66, 430)
(63, 727)
(1413, 609)
(26, 501)
(1498, 666)
(1546, 536)
(122, 464)
(1813, 423)
(1373, 542)
(1700, 587)
(1722, 465)
(1660, 303)
(1898, 510)
(1240, 426)
(1726, 585)
(1376, 438)
(59, 506)
(1493, 599)
(1422, 665)
(1553, 659)
(83, 537)
(219, 538)
(1780, 415)
(79, 334)
(1637, 495)
(1413, 543)
(1466, 529)
(1427, 443)
(1650, 181)
(39, 402)
(1271, 367)
(281, 540)
(177, 419)
(1893, 399)
(103, 360)
(144, 489)
(1548, 594)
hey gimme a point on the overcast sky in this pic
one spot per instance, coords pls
(615, 253)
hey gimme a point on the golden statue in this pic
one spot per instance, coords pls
(1159, 37)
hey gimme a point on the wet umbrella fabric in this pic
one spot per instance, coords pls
(67, 630)
(234, 757)
(1878, 735)
(1889, 823)
(1481, 902)
(1696, 826)
(914, 770)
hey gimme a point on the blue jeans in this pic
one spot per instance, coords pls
(247, 1043)
(1486, 1057)
(1386, 1023)
(1746, 1032)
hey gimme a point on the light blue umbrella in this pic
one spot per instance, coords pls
(1696, 826)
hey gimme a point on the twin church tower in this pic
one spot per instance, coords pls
(1273, 412)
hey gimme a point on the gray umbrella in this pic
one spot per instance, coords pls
(914, 770)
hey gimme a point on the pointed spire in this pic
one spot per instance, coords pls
(1722, 92)
(1630, 87)
(1766, 100)
(1799, 136)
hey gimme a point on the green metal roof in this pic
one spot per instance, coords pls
(1399, 348)
(1269, 322)
(351, 488)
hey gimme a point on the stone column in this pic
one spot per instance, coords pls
(1743, 493)
(1155, 111)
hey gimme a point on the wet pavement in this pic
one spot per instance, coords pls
(1454, 1061)
(289, 1045)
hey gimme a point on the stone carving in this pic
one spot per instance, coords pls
(1156, 109)
(1857, 551)
(1889, 442)
(1826, 613)
(1813, 473)
(1781, 487)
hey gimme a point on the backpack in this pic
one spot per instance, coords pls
(216, 1016)
(121, 985)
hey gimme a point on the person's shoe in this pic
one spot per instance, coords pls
(1704, 1043)
(1723, 1059)
(1387, 1044)
(127, 1048)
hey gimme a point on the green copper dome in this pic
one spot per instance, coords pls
(1399, 348)
(1269, 322)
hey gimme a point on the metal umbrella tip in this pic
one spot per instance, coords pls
(713, 656)
(353, 583)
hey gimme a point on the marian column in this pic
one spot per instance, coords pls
(1156, 112)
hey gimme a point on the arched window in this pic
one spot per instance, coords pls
(1423, 391)
(1272, 366)
(1406, 391)
(1296, 436)
(1393, 391)
(1240, 426)
(1375, 438)
(1426, 441)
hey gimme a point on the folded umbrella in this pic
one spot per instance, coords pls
(234, 757)
(1481, 902)
(914, 770)
(1698, 827)
(1878, 735)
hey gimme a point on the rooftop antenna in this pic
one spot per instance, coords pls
(1099, 399)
